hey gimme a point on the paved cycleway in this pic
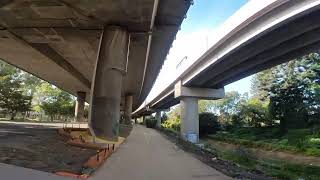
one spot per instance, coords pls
(147, 155)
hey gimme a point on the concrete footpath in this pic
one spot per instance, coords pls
(147, 155)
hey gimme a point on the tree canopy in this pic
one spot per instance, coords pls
(287, 95)
(21, 92)
(12, 97)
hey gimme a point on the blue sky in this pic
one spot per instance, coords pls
(208, 14)
(194, 38)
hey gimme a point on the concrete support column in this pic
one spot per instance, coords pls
(144, 120)
(107, 82)
(158, 118)
(79, 109)
(189, 116)
(189, 106)
(128, 109)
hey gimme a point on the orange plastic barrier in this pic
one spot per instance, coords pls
(69, 174)
(98, 159)
(64, 133)
(95, 161)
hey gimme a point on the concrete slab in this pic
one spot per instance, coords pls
(148, 155)
(58, 40)
(17, 173)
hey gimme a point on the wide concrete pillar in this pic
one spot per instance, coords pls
(189, 106)
(128, 109)
(107, 82)
(189, 117)
(79, 109)
(158, 118)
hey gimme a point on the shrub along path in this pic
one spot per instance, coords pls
(294, 155)
(302, 141)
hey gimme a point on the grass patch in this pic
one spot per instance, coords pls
(278, 169)
(283, 170)
(305, 141)
(238, 157)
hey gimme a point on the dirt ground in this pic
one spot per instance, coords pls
(39, 147)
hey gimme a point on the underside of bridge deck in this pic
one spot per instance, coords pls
(58, 40)
(254, 39)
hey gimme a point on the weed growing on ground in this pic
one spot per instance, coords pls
(297, 140)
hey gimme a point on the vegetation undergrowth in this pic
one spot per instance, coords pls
(246, 160)
(304, 141)
(278, 169)
(151, 122)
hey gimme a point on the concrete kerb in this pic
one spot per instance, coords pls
(94, 162)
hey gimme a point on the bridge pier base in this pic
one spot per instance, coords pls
(107, 83)
(128, 109)
(79, 109)
(189, 117)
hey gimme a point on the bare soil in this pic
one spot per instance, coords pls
(40, 147)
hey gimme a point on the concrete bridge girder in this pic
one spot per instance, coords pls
(257, 37)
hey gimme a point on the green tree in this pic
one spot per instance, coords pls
(205, 106)
(30, 83)
(293, 89)
(255, 113)
(12, 98)
(51, 108)
(175, 112)
(262, 82)
(55, 102)
(229, 106)
(19, 91)
(66, 103)
(309, 69)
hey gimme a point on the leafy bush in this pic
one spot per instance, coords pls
(208, 124)
(151, 122)
(278, 169)
(256, 113)
(164, 117)
(173, 123)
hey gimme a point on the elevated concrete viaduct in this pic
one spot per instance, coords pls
(111, 51)
(260, 35)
